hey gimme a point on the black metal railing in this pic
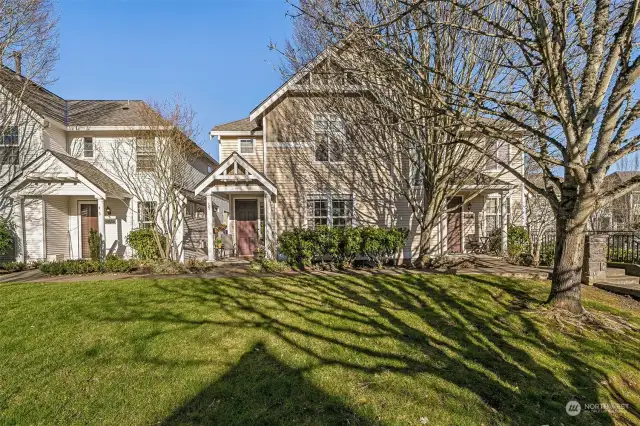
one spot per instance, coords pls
(623, 247)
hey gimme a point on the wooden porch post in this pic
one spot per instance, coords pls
(101, 227)
(210, 240)
(268, 233)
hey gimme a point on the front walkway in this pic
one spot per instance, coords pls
(484, 264)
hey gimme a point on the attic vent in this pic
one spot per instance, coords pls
(126, 108)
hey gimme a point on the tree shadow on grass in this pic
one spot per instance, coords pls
(465, 331)
(261, 390)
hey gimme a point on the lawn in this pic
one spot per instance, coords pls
(380, 349)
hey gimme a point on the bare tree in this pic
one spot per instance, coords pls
(154, 163)
(29, 42)
(565, 81)
(410, 148)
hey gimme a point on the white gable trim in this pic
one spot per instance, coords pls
(235, 160)
(16, 184)
(288, 84)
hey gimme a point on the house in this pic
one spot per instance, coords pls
(59, 177)
(276, 179)
(623, 214)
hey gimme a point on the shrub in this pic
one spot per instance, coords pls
(117, 265)
(518, 243)
(340, 246)
(198, 266)
(298, 246)
(379, 245)
(268, 265)
(95, 244)
(6, 236)
(71, 267)
(143, 241)
(167, 268)
(14, 266)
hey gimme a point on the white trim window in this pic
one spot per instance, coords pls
(492, 214)
(332, 210)
(87, 147)
(145, 154)
(329, 137)
(246, 146)
(146, 214)
(9, 145)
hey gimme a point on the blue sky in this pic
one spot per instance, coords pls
(213, 53)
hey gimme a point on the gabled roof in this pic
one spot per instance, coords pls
(89, 173)
(72, 112)
(242, 125)
(251, 173)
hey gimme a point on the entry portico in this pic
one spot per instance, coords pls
(57, 200)
(251, 196)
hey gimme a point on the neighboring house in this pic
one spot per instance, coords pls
(623, 214)
(276, 180)
(57, 176)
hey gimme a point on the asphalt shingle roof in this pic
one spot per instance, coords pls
(91, 173)
(239, 126)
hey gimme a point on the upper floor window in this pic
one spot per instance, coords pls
(330, 210)
(10, 145)
(145, 154)
(496, 150)
(147, 214)
(87, 146)
(329, 137)
(247, 146)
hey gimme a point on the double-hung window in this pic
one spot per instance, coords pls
(9, 146)
(145, 154)
(246, 146)
(330, 210)
(329, 138)
(147, 214)
(87, 147)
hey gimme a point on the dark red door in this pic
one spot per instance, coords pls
(88, 221)
(247, 226)
(454, 225)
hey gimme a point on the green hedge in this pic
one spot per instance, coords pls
(340, 246)
(6, 236)
(87, 266)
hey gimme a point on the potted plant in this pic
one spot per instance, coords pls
(258, 253)
(219, 243)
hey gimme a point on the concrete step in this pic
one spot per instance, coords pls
(615, 272)
(624, 289)
(622, 279)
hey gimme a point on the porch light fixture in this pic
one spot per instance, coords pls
(108, 211)
(469, 206)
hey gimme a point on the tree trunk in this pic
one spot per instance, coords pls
(567, 268)
(425, 249)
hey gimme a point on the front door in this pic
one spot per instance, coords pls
(88, 221)
(454, 225)
(247, 226)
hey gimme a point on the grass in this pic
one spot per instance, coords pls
(370, 349)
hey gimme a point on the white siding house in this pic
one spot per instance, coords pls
(64, 181)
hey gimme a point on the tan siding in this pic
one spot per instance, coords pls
(229, 144)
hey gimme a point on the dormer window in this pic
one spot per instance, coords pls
(87, 146)
(246, 146)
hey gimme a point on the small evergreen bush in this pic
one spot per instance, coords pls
(95, 244)
(6, 236)
(143, 241)
(14, 266)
